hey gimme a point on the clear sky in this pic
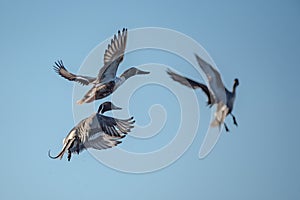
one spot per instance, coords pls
(255, 41)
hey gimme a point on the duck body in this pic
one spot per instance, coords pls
(216, 93)
(106, 82)
(99, 91)
(96, 131)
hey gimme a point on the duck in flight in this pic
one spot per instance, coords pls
(106, 82)
(97, 131)
(216, 92)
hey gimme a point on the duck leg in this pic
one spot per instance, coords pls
(69, 155)
(234, 120)
(226, 128)
(77, 146)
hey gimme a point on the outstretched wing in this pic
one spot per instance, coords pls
(62, 71)
(115, 127)
(214, 80)
(113, 56)
(190, 83)
(102, 141)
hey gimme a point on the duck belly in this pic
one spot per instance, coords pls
(102, 92)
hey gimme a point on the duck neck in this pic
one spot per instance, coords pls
(234, 88)
(119, 81)
(127, 74)
(100, 109)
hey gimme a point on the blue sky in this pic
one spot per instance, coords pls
(257, 42)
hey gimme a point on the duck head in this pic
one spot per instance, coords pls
(235, 84)
(107, 106)
(132, 72)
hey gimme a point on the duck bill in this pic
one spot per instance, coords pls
(113, 107)
(61, 154)
(142, 72)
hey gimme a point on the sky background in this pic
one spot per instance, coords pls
(255, 41)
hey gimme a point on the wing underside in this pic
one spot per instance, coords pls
(63, 72)
(113, 56)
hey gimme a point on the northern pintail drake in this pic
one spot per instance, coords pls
(97, 131)
(106, 82)
(215, 92)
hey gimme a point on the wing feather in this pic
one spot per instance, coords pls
(63, 72)
(103, 141)
(214, 80)
(113, 56)
(191, 84)
(115, 127)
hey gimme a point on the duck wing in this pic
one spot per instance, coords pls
(215, 82)
(190, 83)
(63, 72)
(113, 56)
(102, 141)
(115, 127)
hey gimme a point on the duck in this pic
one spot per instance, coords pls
(106, 82)
(216, 92)
(96, 131)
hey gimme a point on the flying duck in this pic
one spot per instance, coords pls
(97, 131)
(106, 82)
(215, 92)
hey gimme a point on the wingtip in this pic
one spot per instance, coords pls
(59, 64)
(55, 68)
(118, 142)
(198, 58)
(169, 71)
(122, 137)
